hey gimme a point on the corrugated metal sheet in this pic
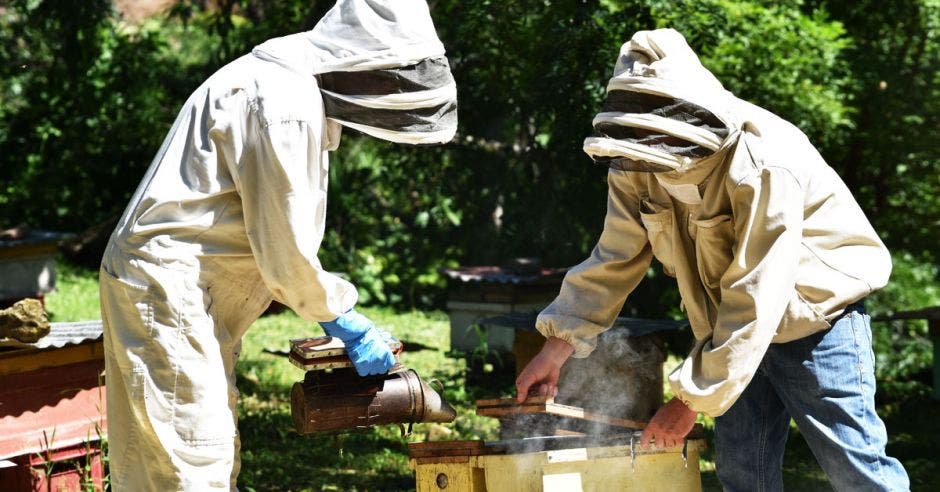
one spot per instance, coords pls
(62, 334)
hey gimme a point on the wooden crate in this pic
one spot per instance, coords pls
(53, 418)
(71, 468)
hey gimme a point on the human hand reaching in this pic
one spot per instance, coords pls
(541, 373)
(668, 428)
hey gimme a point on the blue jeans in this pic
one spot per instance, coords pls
(826, 383)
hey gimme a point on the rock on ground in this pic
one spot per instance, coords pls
(24, 321)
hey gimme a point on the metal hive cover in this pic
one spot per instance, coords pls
(62, 334)
(504, 275)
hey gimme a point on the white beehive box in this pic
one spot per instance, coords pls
(27, 264)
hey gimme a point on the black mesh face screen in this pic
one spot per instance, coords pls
(428, 74)
(659, 141)
(666, 107)
(619, 101)
(411, 120)
(626, 164)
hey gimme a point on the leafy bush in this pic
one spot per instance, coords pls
(891, 161)
(83, 109)
(774, 56)
(85, 100)
(903, 352)
(391, 220)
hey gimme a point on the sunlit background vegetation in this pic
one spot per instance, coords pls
(87, 92)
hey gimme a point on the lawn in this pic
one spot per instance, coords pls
(275, 458)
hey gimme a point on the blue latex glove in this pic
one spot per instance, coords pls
(366, 345)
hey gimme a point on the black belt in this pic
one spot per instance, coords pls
(856, 307)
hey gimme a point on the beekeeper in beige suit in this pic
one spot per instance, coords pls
(772, 256)
(231, 214)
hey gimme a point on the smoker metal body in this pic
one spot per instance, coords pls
(333, 396)
(340, 399)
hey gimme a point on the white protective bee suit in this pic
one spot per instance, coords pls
(231, 214)
(765, 241)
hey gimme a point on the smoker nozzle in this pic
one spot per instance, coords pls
(436, 409)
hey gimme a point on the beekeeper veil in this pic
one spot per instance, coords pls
(664, 111)
(380, 67)
(382, 71)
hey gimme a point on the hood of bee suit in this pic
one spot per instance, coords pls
(380, 67)
(664, 111)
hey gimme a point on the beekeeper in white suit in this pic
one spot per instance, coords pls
(772, 256)
(231, 215)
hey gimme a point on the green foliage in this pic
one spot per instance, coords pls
(774, 56)
(902, 348)
(230, 28)
(392, 215)
(891, 161)
(82, 111)
(526, 106)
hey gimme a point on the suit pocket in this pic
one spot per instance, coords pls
(127, 312)
(714, 248)
(660, 230)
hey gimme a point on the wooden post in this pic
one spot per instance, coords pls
(934, 328)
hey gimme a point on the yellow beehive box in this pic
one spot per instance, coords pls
(621, 467)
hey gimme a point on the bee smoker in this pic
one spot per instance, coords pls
(333, 396)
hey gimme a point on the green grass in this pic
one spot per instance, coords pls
(76, 295)
(275, 458)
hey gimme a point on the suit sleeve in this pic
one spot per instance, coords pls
(755, 291)
(594, 291)
(282, 182)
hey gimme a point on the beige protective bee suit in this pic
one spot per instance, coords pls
(231, 214)
(764, 239)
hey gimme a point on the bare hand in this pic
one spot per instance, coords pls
(670, 425)
(543, 370)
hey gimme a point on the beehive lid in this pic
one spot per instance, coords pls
(21, 241)
(629, 326)
(515, 273)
